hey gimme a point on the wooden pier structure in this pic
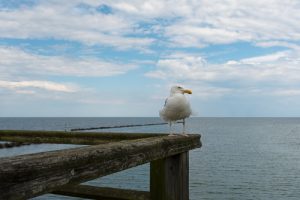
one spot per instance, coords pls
(62, 171)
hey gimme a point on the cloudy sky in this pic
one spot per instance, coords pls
(119, 58)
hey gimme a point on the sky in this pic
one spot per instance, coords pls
(90, 58)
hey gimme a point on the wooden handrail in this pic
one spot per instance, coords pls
(26, 176)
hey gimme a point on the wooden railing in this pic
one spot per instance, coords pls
(61, 171)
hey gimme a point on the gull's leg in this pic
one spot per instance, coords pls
(170, 129)
(183, 126)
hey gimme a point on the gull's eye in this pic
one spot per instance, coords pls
(179, 87)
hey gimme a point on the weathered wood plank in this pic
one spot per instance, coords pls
(56, 140)
(62, 137)
(169, 178)
(92, 192)
(26, 176)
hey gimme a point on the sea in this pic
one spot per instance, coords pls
(241, 158)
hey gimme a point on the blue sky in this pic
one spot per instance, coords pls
(120, 58)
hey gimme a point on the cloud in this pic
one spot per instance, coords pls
(154, 9)
(180, 66)
(287, 92)
(130, 30)
(34, 90)
(271, 58)
(280, 67)
(205, 22)
(15, 62)
(275, 43)
(44, 85)
(216, 22)
(195, 36)
(24, 75)
(181, 23)
(74, 21)
(268, 73)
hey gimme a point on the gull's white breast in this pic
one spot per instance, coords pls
(176, 107)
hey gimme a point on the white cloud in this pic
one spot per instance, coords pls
(44, 85)
(151, 9)
(193, 35)
(206, 91)
(15, 62)
(147, 26)
(217, 22)
(275, 43)
(287, 92)
(180, 66)
(67, 21)
(183, 23)
(204, 22)
(24, 75)
(266, 73)
(280, 67)
(271, 58)
(35, 90)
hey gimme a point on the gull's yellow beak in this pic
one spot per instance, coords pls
(187, 91)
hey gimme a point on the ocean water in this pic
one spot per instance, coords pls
(241, 158)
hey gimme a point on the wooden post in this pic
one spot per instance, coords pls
(169, 178)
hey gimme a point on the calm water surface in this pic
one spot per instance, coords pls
(241, 158)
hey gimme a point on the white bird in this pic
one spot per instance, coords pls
(176, 106)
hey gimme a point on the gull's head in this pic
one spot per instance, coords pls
(179, 89)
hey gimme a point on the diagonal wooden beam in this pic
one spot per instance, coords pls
(92, 192)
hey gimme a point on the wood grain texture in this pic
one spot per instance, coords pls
(22, 177)
(62, 137)
(169, 178)
(92, 192)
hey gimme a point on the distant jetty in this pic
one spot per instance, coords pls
(61, 171)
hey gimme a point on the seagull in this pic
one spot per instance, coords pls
(176, 107)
